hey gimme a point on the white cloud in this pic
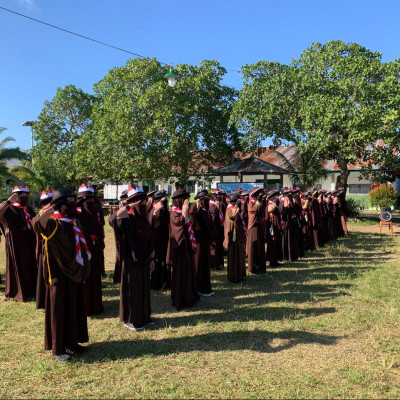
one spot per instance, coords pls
(29, 4)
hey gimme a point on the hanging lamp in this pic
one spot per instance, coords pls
(171, 76)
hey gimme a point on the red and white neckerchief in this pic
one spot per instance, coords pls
(280, 214)
(189, 228)
(131, 211)
(28, 218)
(79, 238)
(79, 209)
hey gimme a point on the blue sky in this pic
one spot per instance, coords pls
(36, 59)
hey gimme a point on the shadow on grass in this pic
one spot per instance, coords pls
(257, 340)
(294, 283)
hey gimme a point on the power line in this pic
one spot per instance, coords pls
(86, 37)
(76, 34)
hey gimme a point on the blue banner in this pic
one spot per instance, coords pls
(232, 187)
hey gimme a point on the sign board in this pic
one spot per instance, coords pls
(232, 187)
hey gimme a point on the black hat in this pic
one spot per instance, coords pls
(273, 193)
(244, 193)
(286, 192)
(255, 191)
(124, 194)
(334, 191)
(234, 196)
(180, 193)
(151, 193)
(160, 194)
(61, 195)
(201, 194)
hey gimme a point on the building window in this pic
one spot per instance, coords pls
(361, 188)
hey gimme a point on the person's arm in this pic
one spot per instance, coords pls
(4, 206)
(44, 215)
(122, 213)
(185, 210)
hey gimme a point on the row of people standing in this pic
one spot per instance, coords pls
(56, 256)
(260, 225)
(156, 247)
(282, 226)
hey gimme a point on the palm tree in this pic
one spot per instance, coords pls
(7, 154)
(29, 174)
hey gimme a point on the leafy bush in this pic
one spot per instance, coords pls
(354, 206)
(383, 196)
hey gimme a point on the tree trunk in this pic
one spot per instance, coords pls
(341, 181)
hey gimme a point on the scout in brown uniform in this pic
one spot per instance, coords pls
(316, 217)
(118, 239)
(217, 217)
(161, 275)
(204, 234)
(255, 237)
(45, 198)
(20, 241)
(235, 240)
(274, 229)
(180, 254)
(66, 266)
(135, 306)
(93, 231)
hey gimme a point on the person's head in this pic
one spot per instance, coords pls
(179, 197)
(63, 201)
(23, 193)
(123, 196)
(161, 196)
(45, 198)
(255, 192)
(137, 199)
(203, 198)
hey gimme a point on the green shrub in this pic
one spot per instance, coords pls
(383, 196)
(354, 206)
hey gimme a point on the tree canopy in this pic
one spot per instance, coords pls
(145, 130)
(337, 98)
(62, 122)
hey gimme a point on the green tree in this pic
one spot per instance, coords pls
(383, 196)
(62, 121)
(145, 130)
(341, 95)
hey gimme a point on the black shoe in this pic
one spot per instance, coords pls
(78, 349)
(150, 322)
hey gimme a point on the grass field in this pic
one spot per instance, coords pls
(326, 326)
